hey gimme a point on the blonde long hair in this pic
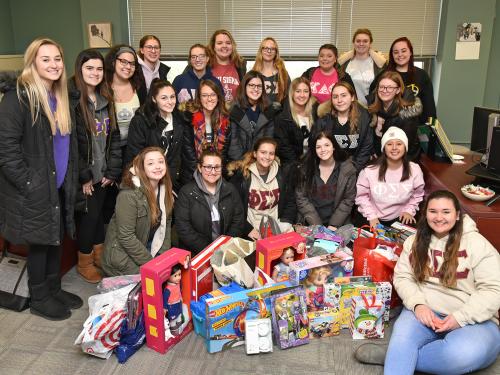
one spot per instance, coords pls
(310, 102)
(38, 96)
(279, 64)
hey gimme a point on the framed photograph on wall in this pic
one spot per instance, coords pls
(99, 34)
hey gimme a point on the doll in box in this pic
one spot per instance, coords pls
(314, 284)
(172, 299)
(282, 269)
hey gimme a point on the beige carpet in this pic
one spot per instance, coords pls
(32, 345)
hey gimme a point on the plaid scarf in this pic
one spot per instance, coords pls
(219, 133)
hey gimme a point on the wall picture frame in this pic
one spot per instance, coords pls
(100, 34)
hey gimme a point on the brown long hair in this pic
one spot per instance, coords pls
(279, 64)
(411, 64)
(219, 110)
(419, 256)
(149, 191)
(353, 110)
(236, 59)
(249, 158)
(395, 77)
(102, 88)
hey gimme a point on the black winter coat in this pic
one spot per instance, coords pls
(29, 199)
(287, 207)
(85, 151)
(290, 136)
(193, 217)
(142, 90)
(181, 157)
(241, 135)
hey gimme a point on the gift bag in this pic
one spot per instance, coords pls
(101, 330)
(14, 293)
(229, 264)
(268, 227)
(368, 262)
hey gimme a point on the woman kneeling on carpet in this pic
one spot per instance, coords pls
(140, 227)
(448, 277)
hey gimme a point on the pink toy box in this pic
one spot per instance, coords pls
(269, 251)
(202, 274)
(153, 276)
(315, 272)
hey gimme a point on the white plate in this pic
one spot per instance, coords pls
(476, 197)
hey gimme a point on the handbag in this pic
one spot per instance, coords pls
(229, 264)
(268, 227)
(14, 292)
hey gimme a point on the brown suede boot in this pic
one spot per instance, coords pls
(98, 251)
(86, 268)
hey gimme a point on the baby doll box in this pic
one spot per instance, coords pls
(367, 318)
(290, 321)
(269, 250)
(226, 315)
(202, 274)
(198, 307)
(324, 323)
(153, 276)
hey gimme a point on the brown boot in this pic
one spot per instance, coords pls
(98, 251)
(86, 268)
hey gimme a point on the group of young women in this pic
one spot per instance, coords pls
(242, 147)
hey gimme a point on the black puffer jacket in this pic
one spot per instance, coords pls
(29, 199)
(181, 157)
(241, 135)
(193, 217)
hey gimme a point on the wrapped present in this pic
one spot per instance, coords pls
(324, 323)
(367, 317)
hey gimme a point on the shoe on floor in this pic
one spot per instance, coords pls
(372, 354)
(70, 300)
(86, 268)
(43, 304)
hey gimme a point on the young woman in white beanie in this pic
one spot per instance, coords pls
(392, 187)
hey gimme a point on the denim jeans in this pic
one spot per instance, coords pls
(415, 347)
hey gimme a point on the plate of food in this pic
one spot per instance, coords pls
(477, 193)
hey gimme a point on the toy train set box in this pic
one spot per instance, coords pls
(154, 276)
(226, 315)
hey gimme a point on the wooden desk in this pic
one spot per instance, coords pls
(445, 176)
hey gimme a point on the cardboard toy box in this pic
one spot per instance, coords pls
(324, 323)
(290, 321)
(153, 276)
(202, 273)
(367, 318)
(314, 272)
(339, 296)
(226, 315)
(269, 250)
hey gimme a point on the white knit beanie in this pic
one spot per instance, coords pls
(394, 133)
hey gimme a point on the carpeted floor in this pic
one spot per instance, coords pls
(32, 345)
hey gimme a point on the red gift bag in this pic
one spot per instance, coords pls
(369, 263)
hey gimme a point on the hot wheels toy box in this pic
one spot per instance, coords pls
(367, 317)
(226, 315)
(314, 272)
(324, 323)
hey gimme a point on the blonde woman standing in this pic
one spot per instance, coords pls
(38, 174)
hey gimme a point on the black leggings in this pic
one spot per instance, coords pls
(91, 223)
(43, 260)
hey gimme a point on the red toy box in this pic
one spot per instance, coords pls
(202, 274)
(269, 250)
(153, 276)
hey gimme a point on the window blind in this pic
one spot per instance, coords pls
(299, 26)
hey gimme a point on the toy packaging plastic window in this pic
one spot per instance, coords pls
(290, 321)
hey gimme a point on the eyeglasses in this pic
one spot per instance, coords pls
(210, 168)
(209, 96)
(125, 62)
(198, 57)
(152, 48)
(388, 89)
(269, 49)
(253, 86)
